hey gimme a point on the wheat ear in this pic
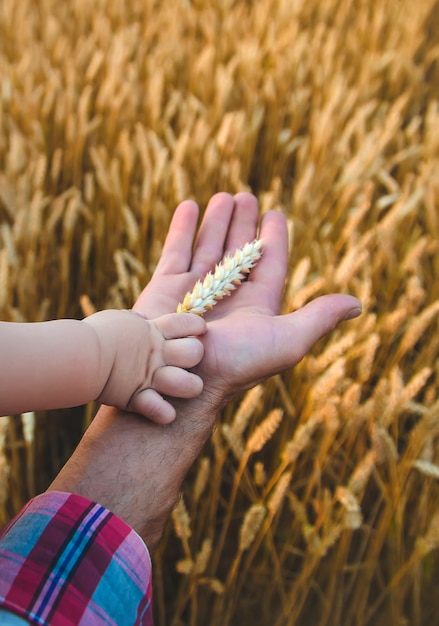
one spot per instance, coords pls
(227, 276)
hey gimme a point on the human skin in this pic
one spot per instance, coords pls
(114, 357)
(134, 467)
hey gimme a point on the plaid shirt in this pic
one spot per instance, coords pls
(65, 560)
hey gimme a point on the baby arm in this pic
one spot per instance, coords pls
(114, 357)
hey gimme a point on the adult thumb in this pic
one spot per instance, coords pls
(303, 328)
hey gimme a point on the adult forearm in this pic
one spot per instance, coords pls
(47, 365)
(148, 464)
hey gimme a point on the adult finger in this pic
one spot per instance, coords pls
(244, 224)
(177, 249)
(210, 242)
(270, 271)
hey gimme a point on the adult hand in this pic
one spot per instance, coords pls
(135, 467)
(247, 339)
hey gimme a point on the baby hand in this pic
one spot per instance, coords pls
(177, 349)
(141, 360)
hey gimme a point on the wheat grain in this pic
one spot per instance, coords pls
(328, 414)
(185, 566)
(297, 508)
(9, 244)
(413, 259)
(235, 442)
(94, 65)
(383, 444)
(251, 524)
(264, 431)
(202, 558)
(298, 278)
(246, 409)
(329, 540)
(384, 404)
(279, 491)
(352, 518)
(181, 519)
(349, 265)
(300, 441)
(132, 227)
(327, 382)
(355, 216)
(415, 293)
(427, 468)
(216, 586)
(351, 399)
(361, 474)
(391, 322)
(298, 299)
(259, 474)
(123, 276)
(415, 384)
(427, 452)
(332, 352)
(367, 360)
(227, 276)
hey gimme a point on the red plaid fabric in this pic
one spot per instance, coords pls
(65, 560)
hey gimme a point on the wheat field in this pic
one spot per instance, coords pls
(316, 501)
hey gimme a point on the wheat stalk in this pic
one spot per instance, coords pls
(279, 491)
(202, 558)
(246, 409)
(264, 431)
(250, 525)
(201, 478)
(181, 519)
(227, 276)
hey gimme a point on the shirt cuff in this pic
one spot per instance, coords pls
(67, 560)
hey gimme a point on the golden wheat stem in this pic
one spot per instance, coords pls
(423, 546)
(250, 526)
(256, 442)
(227, 276)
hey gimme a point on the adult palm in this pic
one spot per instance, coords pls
(247, 339)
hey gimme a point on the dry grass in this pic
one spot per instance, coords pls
(321, 501)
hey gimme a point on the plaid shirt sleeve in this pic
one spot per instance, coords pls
(65, 560)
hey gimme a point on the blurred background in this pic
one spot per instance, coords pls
(111, 113)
